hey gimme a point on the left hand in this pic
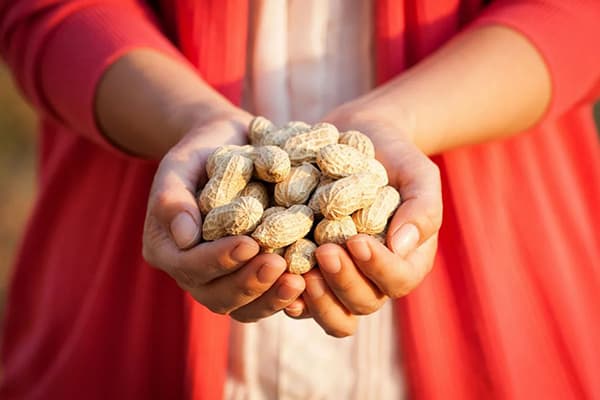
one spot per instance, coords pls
(358, 280)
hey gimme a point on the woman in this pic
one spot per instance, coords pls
(508, 311)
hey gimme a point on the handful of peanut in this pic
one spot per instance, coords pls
(294, 186)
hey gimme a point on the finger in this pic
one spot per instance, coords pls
(298, 309)
(325, 307)
(172, 201)
(392, 274)
(287, 289)
(420, 214)
(348, 284)
(237, 289)
(207, 261)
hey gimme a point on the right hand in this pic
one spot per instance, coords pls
(228, 276)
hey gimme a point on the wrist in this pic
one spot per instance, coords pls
(376, 116)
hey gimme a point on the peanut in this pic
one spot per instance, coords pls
(258, 191)
(304, 146)
(300, 256)
(227, 183)
(279, 136)
(373, 219)
(280, 251)
(272, 210)
(236, 218)
(271, 163)
(223, 153)
(297, 186)
(340, 160)
(359, 141)
(344, 196)
(284, 228)
(334, 231)
(376, 168)
(315, 203)
(259, 127)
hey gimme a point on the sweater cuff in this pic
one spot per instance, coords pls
(78, 52)
(563, 35)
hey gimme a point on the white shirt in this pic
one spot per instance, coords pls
(305, 58)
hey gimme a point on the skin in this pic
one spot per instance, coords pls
(504, 88)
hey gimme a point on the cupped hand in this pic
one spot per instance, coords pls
(360, 278)
(228, 276)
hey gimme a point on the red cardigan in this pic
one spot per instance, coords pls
(511, 309)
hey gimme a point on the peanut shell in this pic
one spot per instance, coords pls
(257, 190)
(340, 160)
(304, 146)
(239, 217)
(300, 256)
(284, 228)
(297, 186)
(373, 219)
(344, 196)
(359, 141)
(226, 184)
(271, 163)
(334, 231)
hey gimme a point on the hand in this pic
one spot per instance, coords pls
(359, 279)
(228, 276)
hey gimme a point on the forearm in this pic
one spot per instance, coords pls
(146, 101)
(484, 84)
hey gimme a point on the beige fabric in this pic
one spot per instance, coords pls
(306, 58)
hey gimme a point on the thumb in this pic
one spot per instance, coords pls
(173, 204)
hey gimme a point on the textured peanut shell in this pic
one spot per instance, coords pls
(258, 191)
(226, 184)
(315, 200)
(284, 228)
(334, 231)
(344, 196)
(272, 210)
(340, 160)
(359, 141)
(372, 166)
(279, 136)
(300, 256)
(271, 163)
(373, 219)
(280, 251)
(297, 186)
(258, 128)
(223, 153)
(305, 146)
(239, 217)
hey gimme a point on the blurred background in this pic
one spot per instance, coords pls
(17, 172)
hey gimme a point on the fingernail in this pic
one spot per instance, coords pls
(360, 249)
(243, 252)
(329, 262)
(286, 292)
(184, 230)
(268, 273)
(405, 239)
(315, 287)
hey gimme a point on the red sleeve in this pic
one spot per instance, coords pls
(566, 34)
(58, 50)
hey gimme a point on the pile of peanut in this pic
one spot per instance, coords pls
(296, 185)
